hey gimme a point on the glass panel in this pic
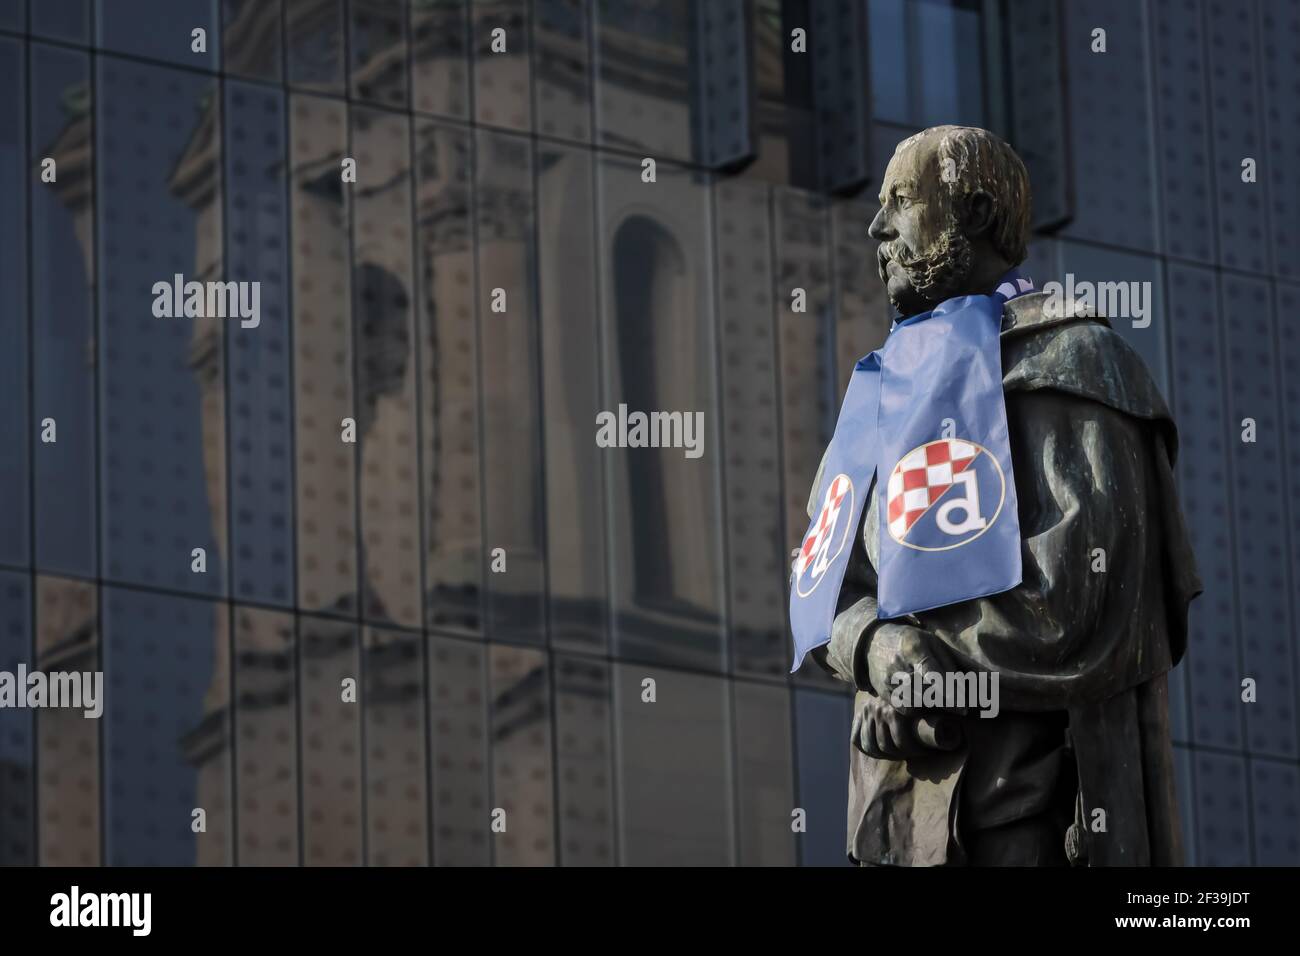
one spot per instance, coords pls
(332, 802)
(1275, 793)
(251, 33)
(862, 309)
(563, 70)
(674, 769)
(1236, 130)
(1282, 125)
(322, 362)
(1184, 147)
(11, 16)
(644, 76)
(765, 775)
(522, 777)
(822, 723)
(502, 63)
(1184, 758)
(1042, 264)
(946, 56)
(887, 33)
(452, 515)
(161, 379)
(510, 369)
(166, 733)
(67, 639)
(16, 424)
(266, 738)
(1222, 809)
(1199, 409)
(440, 71)
(809, 405)
(756, 567)
(927, 64)
(260, 376)
(397, 831)
(385, 367)
(67, 20)
(161, 30)
(17, 764)
(458, 753)
(1258, 483)
(575, 489)
(584, 750)
(62, 306)
(314, 48)
(1287, 306)
(806, 354)
(787, 140)
(658, 341)
(1107, 102)
(377, 40)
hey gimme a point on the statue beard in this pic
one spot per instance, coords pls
(936, 273)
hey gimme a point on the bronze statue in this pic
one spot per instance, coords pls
(1075, 766)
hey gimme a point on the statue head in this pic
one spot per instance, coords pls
(954, 216)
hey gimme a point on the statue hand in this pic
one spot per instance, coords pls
(882, 732)
(900, 649)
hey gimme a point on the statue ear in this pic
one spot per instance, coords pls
(981, 208)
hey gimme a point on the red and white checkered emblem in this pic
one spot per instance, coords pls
(921, 477)
(827, 535)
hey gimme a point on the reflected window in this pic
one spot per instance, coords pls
(665, 534)
(927, 61)
(649, 275)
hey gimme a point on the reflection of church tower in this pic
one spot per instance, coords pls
(379, 295)
(359, 331)
(648, 273)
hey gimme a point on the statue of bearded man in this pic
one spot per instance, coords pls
(1072, 764)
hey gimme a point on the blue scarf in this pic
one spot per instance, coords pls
(926, 413)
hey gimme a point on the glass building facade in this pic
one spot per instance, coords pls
(592, 640)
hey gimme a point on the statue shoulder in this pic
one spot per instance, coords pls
(1078, 353)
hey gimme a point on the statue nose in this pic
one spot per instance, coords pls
(879, 228)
